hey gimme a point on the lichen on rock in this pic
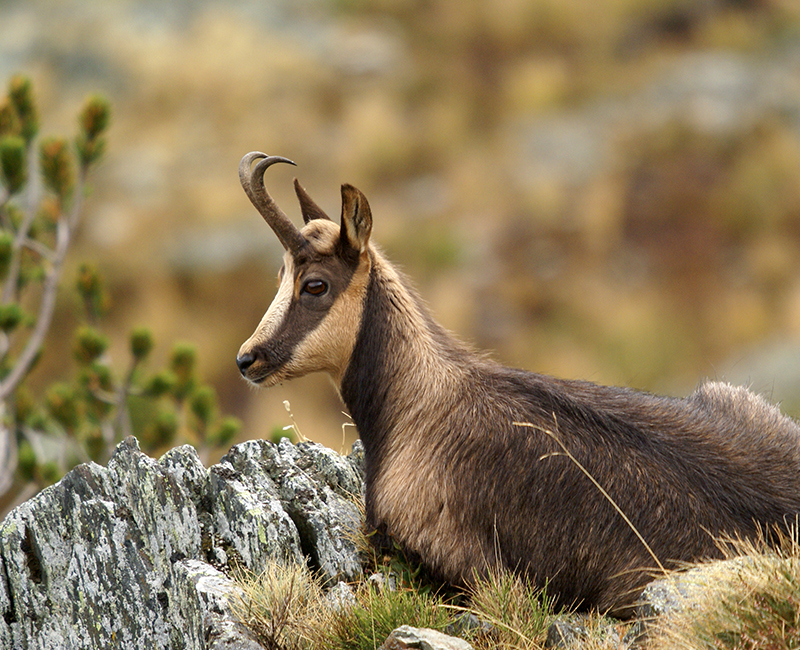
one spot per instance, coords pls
(122, 555)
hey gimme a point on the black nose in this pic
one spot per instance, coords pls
(245, 361)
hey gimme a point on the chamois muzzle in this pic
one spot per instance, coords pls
(244, 362)
(252, 180)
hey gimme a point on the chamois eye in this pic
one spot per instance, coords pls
(315, 287)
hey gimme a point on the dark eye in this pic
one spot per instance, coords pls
(315, 287)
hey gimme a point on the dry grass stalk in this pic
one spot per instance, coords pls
(283, 606)
(566, 452)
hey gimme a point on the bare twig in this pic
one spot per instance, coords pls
(40, 249)
(8, 453)
(11, 287)
(122, 425)
(64, 230)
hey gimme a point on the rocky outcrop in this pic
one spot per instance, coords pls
(133, 554)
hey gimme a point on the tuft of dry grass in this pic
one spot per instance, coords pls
(287, 609)
(517, 612)
(284, 606)
(756, 606)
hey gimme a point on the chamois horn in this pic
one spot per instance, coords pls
(252, 180)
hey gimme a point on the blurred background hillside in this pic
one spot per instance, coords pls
(606, 189)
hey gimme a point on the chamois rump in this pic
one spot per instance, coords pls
(450, 473)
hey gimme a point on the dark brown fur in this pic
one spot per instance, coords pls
(453, 479)
(466, 489)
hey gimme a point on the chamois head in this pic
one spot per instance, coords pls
(313, 320)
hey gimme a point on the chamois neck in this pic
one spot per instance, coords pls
(403, 361)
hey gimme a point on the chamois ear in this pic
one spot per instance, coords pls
(308, 208)
(356, 219)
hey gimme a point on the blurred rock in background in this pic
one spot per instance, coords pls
(604, 190)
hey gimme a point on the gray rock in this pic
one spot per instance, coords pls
(200, 595)
(469, 622)
(572, 632)
(248, 518)
(122, 555)
(226, 634)
(411, 637)
(357, 461)
(680, 592)
(340, 597)
(565, 634)
(184, 464)
(317, 488)
(383, 581)
(89, 561)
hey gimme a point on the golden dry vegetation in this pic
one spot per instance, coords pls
(607, 190)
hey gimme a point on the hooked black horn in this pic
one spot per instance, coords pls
(252, 180)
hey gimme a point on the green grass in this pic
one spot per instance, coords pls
(286, 609)
(379, 611)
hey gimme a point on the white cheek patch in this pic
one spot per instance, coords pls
(272, 320)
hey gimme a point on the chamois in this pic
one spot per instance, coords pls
(453, 477)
